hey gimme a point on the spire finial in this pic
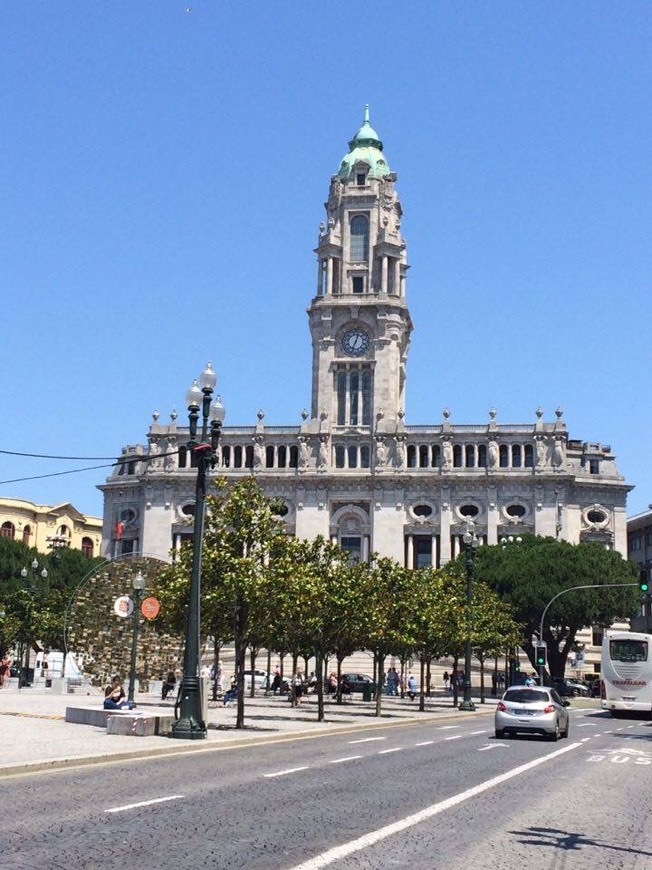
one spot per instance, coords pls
(366, 113)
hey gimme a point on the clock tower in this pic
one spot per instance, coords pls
(359, 319)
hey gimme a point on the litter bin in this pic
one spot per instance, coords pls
(368, 691)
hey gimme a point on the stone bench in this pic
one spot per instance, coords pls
(139, 724)
(97, 716)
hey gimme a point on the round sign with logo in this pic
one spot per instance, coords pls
(150, 607)
(123, 606)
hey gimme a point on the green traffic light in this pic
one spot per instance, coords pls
(644, 586)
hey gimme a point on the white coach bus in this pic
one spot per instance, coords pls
(626, 673)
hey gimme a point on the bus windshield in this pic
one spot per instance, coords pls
(628, 650)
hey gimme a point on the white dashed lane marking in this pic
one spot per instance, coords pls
(172, 797)
(348, 758)
(474, 733)
(385, 751)
(454, 737)
(367, 740)
(425, 743)
(285, 772)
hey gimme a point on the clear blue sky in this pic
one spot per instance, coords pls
(164, 167)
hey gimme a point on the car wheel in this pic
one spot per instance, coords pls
(567, 729)
(555, 734)
(500, 733)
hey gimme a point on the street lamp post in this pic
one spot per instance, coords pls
(32, 587)
(190, 724)
(139, 584)
(471, 542)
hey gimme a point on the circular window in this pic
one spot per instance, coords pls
(469, 510)
(515, 510)
(188, 510)
(127, 516)
(596, 516)
(422, 510)
(280, 509)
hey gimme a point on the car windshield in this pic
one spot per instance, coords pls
(525, 696)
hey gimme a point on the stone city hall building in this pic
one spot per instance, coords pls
(354, 470)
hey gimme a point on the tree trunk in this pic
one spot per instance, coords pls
(422, 689)
(379, 694)
(240, 653)
(480, 656)
(339, 680)
(456, 694)
(252, 659)
(428, 677)
(269, 670)
(319, 673)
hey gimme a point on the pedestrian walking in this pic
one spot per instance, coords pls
(412, 687)
(446, 679)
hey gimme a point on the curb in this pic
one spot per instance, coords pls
(27, 768)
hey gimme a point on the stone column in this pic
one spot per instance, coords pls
(383, 286)
(410, 551)
(445, 535)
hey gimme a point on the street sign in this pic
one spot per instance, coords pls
(150, 607)
(123, 606)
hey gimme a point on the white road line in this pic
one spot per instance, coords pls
(172, 797)
(367, 740)
(584, 739)
(425, 743)
(338, 853)
(284, 772)
(385, 751)
(447, 727)
(491, 746)
(585, 725)
(473, 733)
(454, 737)
(348, 758)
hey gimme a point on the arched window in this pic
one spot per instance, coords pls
(183, 457)
(294, 456)
(366, 398)
(341, 398)
(470, 456)
(87, 547)
(269, 456)
(27, 531)
(359, 239)
(237, 456)
(482, 455)
(529, 456)
(435, 456)
(8, 530)
(354, 391)
(504, 456)
(364, 455)
(281, 456)
(457, 455)
(516, 456)
(423, 456)
(411, 456)
(226, 456)
(249, 456)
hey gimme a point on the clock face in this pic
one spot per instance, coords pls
(355, 342)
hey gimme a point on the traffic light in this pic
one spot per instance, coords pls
(541, 655)
(517, 665)
(643, 583)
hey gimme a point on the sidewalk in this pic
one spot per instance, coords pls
(37, 737)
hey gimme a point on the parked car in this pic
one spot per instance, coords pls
(532, 710)
(568, 688)
(357, 682)
(260, 679)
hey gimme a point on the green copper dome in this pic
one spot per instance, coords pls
(365, 146)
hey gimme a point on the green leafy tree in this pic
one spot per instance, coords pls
(244, 550)
(528, 575)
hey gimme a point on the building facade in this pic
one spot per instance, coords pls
(46, 527)
(353, 469)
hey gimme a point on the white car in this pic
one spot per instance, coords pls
(260, 679)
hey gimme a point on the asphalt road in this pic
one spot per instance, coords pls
(412, 796)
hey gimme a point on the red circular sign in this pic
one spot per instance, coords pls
(150, 608)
